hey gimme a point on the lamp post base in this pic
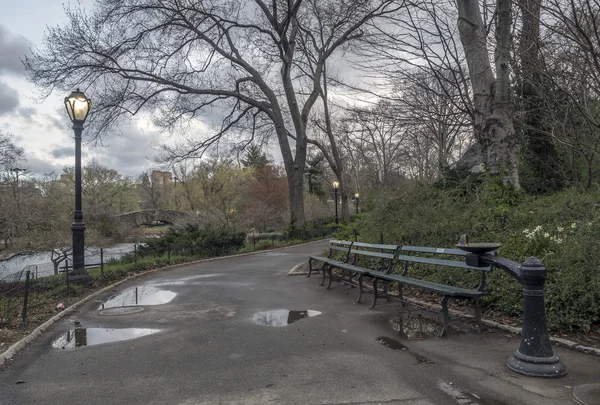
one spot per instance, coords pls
(80, 278)
(546, 367)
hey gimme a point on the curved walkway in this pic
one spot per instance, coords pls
(212, 349)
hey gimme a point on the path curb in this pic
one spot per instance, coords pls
(9, 353)
(569, 344)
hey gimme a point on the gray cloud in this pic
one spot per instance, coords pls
(12, 49)
(63, 151)
(9, 99)
(38, 166)
(129, 153)
(27, 112)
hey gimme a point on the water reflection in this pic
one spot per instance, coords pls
(143, 295)
(282, 317)
(96, 336)
(415, 326)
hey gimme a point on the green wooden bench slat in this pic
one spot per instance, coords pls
(375, 246)
(440, 262)
(373, 254)
(423, 249)
(351, 267)
(428, 285)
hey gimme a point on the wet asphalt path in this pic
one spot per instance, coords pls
(209, 350)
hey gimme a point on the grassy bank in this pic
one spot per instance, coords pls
(562, 229)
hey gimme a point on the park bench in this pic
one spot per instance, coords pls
(414, 255)
(339, 253)
(378, 257)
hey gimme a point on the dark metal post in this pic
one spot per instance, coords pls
(26, 295)
(67, 273)
(135, 252)
(80, 275)
(101, 261)
(169, 252)
(355, 235)
(381, 238)
(535, 356)
(356, 201)
(335, 198)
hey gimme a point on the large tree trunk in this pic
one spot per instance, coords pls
(492, 104)
(540, 154)
(296, 193)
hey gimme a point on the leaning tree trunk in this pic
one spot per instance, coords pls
(492, 104)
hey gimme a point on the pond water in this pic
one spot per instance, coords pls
(46, 268)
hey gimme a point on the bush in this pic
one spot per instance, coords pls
(192, 240)
(560, 229)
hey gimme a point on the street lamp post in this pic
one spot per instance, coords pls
(336, 185)
(78, 107)
(356, 196)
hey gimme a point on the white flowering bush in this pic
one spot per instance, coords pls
(563, 230)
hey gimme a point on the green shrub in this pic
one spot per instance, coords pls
(562, 229)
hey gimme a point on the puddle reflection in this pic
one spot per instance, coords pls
(282, 317)
(143, 295)
(97, 336)
(415, 326)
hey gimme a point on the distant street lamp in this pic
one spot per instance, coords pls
(356, 196)
(78, 107)
(336, 186)
(175, 178)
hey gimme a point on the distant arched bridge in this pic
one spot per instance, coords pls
(134, 219)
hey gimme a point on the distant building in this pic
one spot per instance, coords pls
(159, 178)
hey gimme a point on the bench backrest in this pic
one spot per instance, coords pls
(340, 246)
(440, 262)
(414, 257)
(385, 253)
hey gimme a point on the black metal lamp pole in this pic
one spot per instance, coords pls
(356, 196)
(535, 356)
(336, 185)
(78, 107)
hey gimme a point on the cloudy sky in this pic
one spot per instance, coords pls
(42, 127)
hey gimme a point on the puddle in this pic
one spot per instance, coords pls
(121, 311)
(96, 336)
(143, 295)
(415, 326)
(391, 343)
(282, 317)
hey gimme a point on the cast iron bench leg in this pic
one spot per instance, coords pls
(386, 292)
(330, 271)
(478, 312)
(324, 271)
(446, 315)
(374, 294)
(310, 269)
(360, 288)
